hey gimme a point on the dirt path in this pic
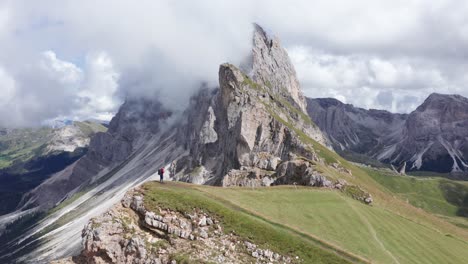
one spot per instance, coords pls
(372, 231)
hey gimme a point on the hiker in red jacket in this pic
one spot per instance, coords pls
(161, 174)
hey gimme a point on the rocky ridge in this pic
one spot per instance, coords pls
(431, 138)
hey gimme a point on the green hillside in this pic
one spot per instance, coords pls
(26, 161)
(22, 144)
(440, 196)
(412, 220)
(236, 219)
(312, 223)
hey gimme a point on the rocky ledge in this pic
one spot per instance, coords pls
(129, 233)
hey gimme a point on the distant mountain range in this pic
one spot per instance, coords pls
(28, 156)
(433, 138)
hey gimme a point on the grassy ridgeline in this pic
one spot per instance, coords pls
(185, 198)
(315, 224)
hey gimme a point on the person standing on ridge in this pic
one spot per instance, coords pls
(161, 174)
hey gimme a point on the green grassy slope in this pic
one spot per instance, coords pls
(25, 160)
(368, 231)
(326, 221)
(89, 128)
(22, 144)
(436, 195)
(393, 230)
(261, 231)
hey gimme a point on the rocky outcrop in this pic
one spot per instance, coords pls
(431, 138)
(240, 133)
(76, 135)
(271, 66)
(302, 173)
(248, 133)
(129, 233)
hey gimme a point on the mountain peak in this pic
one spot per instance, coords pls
(440, 96)
(271, 66)
(440, 101)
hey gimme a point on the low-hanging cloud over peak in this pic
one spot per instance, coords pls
(80, 59)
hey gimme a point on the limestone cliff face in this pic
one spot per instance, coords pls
(245, 126)
(272, 67)
(435, 136)
(239, 133)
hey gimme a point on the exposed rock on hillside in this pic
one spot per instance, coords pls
(70, 137)
(431, 138)
(129, 233)
(239, 134)
(272, 67)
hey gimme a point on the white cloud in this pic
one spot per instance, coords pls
(364, 52)
(7, 84)
(4, 19)
(99, 89)
(372, 81)
(67, 73)
(50, 87)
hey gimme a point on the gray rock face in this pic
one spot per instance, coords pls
(271, 66)
(435, 136)
(135, 122)
(239, 133)
(352, 128)
(431, 138)
(302, 173)
(248, 133)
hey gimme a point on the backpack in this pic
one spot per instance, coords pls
(161, 171)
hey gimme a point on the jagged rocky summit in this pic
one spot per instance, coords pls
(431, 138)
(236, 134)
(250, 131)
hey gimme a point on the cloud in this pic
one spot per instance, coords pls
(397, 84)
(90, 55)
(8, 87)
(163, 49)
(98, 96)
(50, 87)
(4, 16)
